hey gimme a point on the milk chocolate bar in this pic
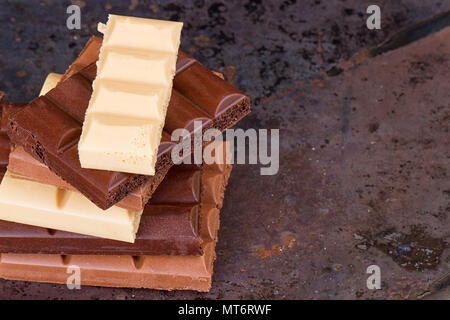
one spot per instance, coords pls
(135, 69)
(149, 272)
(49, 127)
(163, 272)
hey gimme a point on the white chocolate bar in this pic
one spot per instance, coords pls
(124, 120)
(28, 202)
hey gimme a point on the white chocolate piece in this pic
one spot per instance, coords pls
(124, 120)
(50, 82)
(28, 202)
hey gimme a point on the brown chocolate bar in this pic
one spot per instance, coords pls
(6, 110)
(155, 272)
(4, 145)
(50, 126)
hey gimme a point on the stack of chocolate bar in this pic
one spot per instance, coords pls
(88, 179)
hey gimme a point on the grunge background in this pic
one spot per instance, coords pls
(364, 156)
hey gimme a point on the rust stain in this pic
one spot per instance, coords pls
(337, 267)
(21, 73)
(133, 5)
(287, 242)
(284, 92)
(288, 239)
(154, 8)
(201, 40)
(317, 83)
(230, 74)
(79, 3)
(261, 252)
(360, 56)
(355, 60)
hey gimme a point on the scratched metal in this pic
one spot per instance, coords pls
(356, 186)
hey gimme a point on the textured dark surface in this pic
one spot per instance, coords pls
(311, 230)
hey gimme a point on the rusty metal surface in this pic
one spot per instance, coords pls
(364, 156)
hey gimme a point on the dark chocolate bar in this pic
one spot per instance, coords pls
(49, 127)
